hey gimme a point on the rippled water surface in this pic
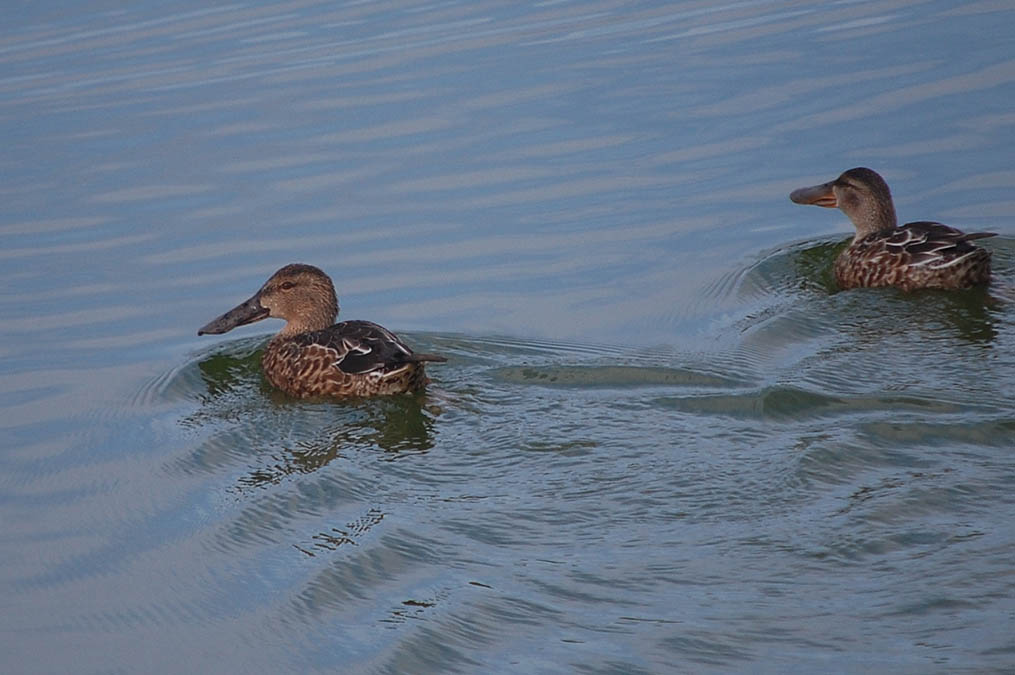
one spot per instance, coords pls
(662, 442)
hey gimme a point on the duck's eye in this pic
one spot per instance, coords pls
(287, 286)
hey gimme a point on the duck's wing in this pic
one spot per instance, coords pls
(932, 244)
(360, 347)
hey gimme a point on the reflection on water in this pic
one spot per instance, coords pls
(793, 296)
(664, 440)
(247, 415)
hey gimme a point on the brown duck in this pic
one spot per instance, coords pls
(314, 356)
(916, 255)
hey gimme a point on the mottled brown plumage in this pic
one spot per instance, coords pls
(916, 255)
(312, 355)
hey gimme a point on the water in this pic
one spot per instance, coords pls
(662, 442)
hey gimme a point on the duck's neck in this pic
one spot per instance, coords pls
(308, 323)
(877, 217)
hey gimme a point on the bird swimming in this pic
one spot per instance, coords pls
(916, 255)
(314, 356)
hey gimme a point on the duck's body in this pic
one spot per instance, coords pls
(350, 358)
(313, 356)
(916, 255)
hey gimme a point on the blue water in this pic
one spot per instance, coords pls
(662, 442)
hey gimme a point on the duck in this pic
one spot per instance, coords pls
(312, 356)
(913, 256)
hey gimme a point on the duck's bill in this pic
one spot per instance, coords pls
(818, 195)
(248, 312)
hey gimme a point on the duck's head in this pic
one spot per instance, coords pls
(303, 295)
(860, 193)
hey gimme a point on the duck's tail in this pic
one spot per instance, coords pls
(978, 235)
(427, 357)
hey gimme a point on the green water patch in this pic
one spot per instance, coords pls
(786, 404)
(801, 267)
(610, 376)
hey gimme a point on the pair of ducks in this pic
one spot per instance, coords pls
(314, 356)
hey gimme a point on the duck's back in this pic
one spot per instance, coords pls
(923, 254)
(350, 358)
